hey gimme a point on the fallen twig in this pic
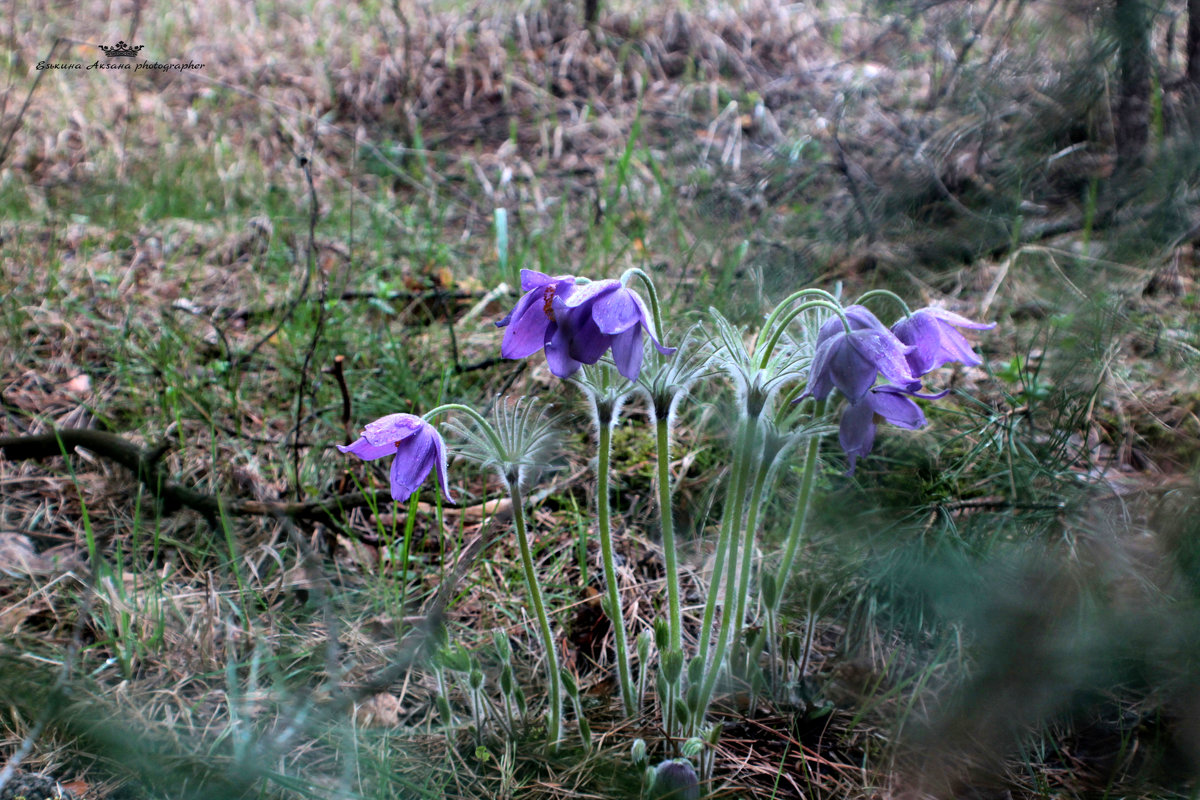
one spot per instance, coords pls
(144, 464)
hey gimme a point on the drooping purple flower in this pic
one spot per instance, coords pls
(531, 323)
(850, 361)
(891, 404)
(416, 445)
(591, 319)
(933, 334)
(675, 780)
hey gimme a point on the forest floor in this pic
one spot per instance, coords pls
(205, 599)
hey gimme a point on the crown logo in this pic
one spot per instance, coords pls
(122, 50)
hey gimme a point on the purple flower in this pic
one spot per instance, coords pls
(851, 360)
(675, 780)
(934, 338)
(416, 445)
(532, 319)
(591, 319)
(891, 404)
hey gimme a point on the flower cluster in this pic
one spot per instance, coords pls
(577, 323)
(851, 355)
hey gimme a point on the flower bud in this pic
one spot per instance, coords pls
(502, 646)
(675, 780)
(638, 751)
(770, 588)
(672, 666)
(695, 670)
(585, 732)
(693, 698)
(443, 706)
(794, 647)
(661, 631)
(569, 685)
(681, 713)
(644, 640)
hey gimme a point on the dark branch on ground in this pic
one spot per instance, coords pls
(146, 467)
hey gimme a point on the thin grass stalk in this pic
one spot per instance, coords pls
(674, 612)
(535, 593)
(604, 522)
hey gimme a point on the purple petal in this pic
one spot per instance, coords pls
(829, 328)
(584, 340)
(532, 279)
(856, 433)
(591, 291)
(559, 360)
(851, 371)
(933, 333)
(517, 310)
(617, 312)
(662, 348)
(440, 461)
(861, 318)
(675, 779)
(896, 407)
(832, 332)
(885, 352)
(628, 353)
(527, 333)
(387, 431)
(646, 317)
(367, 451)
(950, 318)
(819, 377)
(414, 460)
(955, 347)
(922, 333)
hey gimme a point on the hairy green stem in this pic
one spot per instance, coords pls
(748, 537)
(800, 518)
(737, 499)
(714, 586)
(723, 549)
(784, 319)
(791, 298)
(655, 310)
(473, 414)
(604, 522)
(675, 614)
(885, 293)
(539, 608)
